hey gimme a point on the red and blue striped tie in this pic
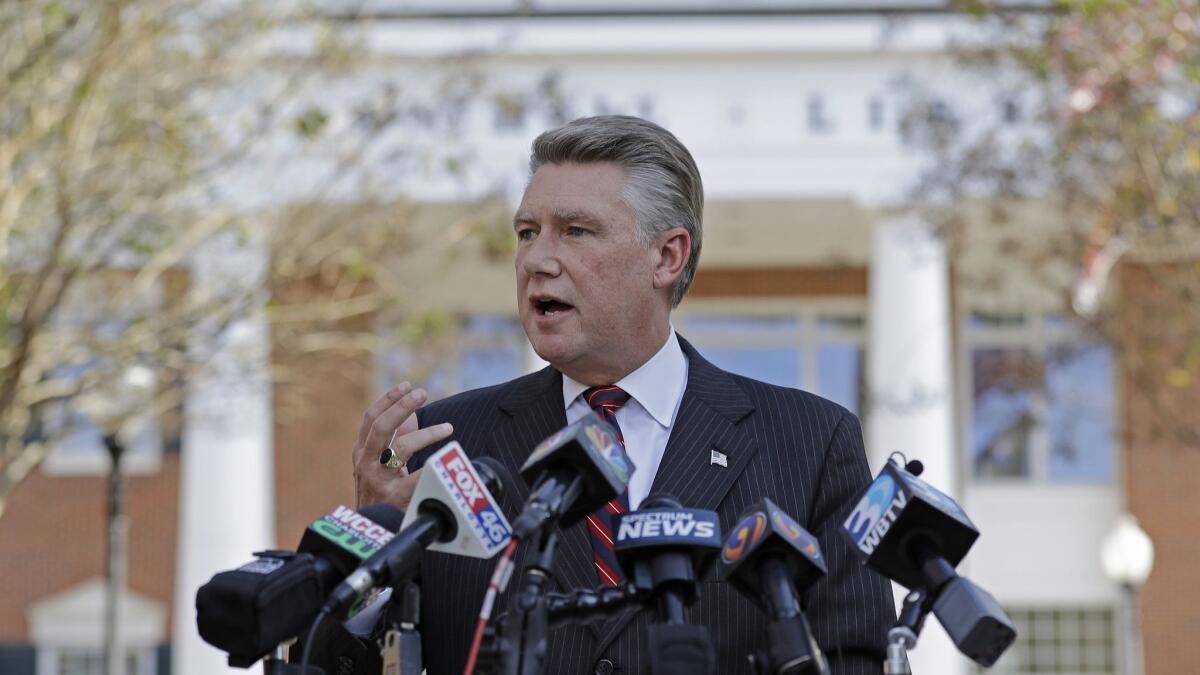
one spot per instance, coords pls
(605, 401)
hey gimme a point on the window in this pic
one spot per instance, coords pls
(490, 352)
(67, 630)
(474, 352)
(820, 352)
(875, 114)
(815, 115)
(90, 661)
(1040, 399)
(1075, 640)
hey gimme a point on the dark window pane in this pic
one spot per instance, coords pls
(1002, 411)
(839, 374)
(1079, 390)
(775, 365)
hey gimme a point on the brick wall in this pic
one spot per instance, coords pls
(318, 403)
(314, 438)
(52, 536)
(1160, 340)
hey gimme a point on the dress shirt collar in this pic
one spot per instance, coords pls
(657, 385)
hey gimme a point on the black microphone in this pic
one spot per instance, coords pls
(453, 510)
(664, 550)
(771, 559)
(250, 611)
(572, 473)
(916, 535)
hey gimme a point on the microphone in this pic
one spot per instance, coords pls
(572, 473)
(452, 510)
(347, 537)
(664, 549)
(771, 559)
(916, 535)
(250, 611)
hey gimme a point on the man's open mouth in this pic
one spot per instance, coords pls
(550, 306)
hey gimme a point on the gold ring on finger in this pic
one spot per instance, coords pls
(391, 459)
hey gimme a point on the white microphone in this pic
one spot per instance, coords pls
(451, 483)
(452, 511)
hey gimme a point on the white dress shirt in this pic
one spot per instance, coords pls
(655, 392)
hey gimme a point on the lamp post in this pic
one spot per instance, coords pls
(1127, 556)
(112, 408)
(118, 559)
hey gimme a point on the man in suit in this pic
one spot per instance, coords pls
(608, 238)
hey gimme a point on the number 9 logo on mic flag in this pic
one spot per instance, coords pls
(743, 536)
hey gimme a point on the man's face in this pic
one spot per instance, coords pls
(585, 283)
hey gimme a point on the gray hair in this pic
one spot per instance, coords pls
(662, 184)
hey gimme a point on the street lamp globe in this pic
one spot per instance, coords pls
(1127, 554)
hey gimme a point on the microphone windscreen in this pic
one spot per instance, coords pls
(494, 474)
(385, 515)
(914, 466)
(590, 451)
(346, 537)
(660, 500)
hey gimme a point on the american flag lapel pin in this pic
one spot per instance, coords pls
(718, 458)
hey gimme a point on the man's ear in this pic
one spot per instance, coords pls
(673, 248)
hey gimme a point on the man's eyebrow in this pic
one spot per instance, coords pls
(576, 216)
(561, 216)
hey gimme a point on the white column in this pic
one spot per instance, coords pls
(910, 381)
(226, 502)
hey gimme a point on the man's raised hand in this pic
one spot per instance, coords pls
(392, 420)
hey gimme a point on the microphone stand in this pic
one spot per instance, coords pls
(274, 663)
(791, 649)
(674, 646)
(917, 604)
(528, 619)
(903, 635)
(587, 604)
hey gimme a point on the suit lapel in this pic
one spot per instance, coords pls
(713, 405)
(708, 419)
(536, 408)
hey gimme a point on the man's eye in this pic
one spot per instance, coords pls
(525, 234)
(576, 231)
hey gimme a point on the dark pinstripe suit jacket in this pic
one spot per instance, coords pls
(799, 450)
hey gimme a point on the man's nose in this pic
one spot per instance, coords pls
(540, 257)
